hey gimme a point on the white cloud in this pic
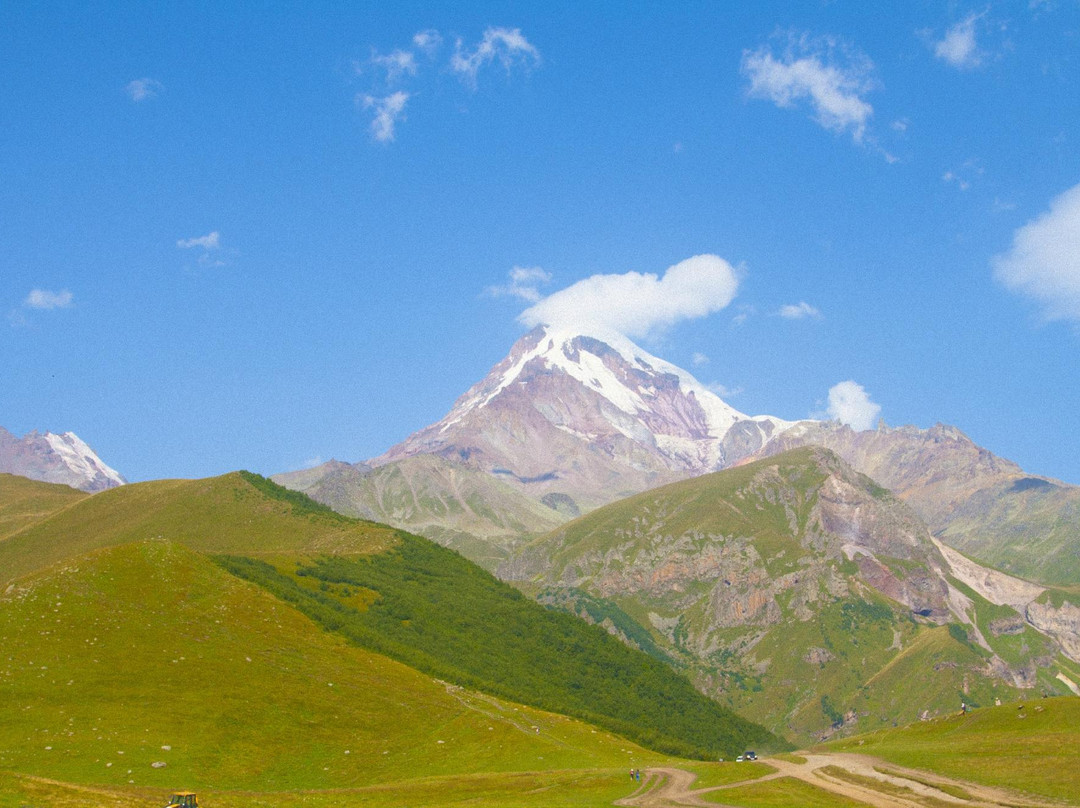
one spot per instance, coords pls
(396, 64)
(1044, 260)
(953, 177)
(723, 391)
(850, 404)
(798, 311)
(44, 299)
(699, 359)
(637, 304)
(523, 284)
(958, 48)
(388, 111)
(211, 241)
(508, 45)
(832, 77)
(428, 41)
(144, 89)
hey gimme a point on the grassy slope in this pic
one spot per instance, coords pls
(148, 645)
(432, 609)
(24, 501)
(1033, 532)
(705, 504)
(220, 514)
(1039, 753)
(246, 515)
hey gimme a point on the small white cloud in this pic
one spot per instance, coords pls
(144, 89)
(958, 48)
(746, 311)
(1044, 260)
(428, 41)
(699, 359)
(46, 300)
(723, 391)
(831, 77)
(798, 311)
(951, 177)
(524, 283)
(211, 241)
(637, 304)
(312, 462)
(507, 45)
(396, 64)
(850, 404)
(388, 111)
(965, 175)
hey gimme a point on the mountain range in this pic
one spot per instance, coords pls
(570, 421)
(815, 578)
(804, 573)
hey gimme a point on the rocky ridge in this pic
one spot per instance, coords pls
(974, 501)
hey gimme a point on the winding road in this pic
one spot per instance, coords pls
(861, 778)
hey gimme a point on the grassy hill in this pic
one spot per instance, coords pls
(795, 590)
(123, 635)
(236, 513)
(24, 502)
(150, 653)
(429, 607)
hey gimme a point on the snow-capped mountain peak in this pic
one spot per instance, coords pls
(563, 401)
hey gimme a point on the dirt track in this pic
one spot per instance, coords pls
(901, 788)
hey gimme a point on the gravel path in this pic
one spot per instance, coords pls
(849, 775)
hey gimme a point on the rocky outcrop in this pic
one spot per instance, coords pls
(1060, 622)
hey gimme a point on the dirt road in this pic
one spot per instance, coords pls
(864, 779)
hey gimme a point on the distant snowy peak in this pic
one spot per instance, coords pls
(82, 460)
(55, 458)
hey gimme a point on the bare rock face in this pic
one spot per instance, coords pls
(54, 458)
(1060, 622)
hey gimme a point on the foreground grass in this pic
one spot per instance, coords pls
(150, 653)
(783, 792)
(557, 789)
(1035, 749)
(722, 774)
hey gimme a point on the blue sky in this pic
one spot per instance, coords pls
(238, 237)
